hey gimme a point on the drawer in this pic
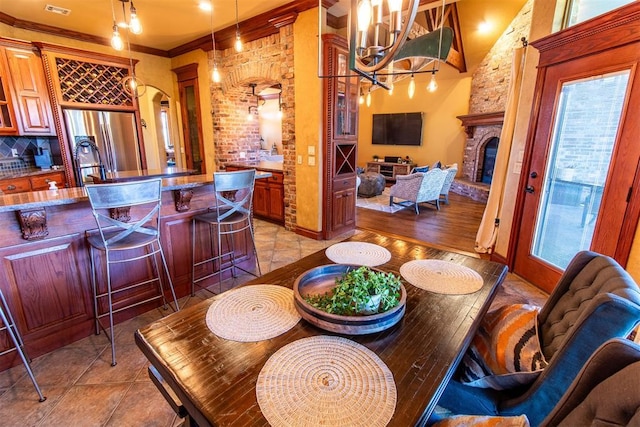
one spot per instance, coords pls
(276, 177)
(41, 182)
(344, 183)
(19, 185)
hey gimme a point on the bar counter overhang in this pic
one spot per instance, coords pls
(46, 266)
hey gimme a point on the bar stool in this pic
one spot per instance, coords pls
(10, 326)
(128, 218)
(231, 214)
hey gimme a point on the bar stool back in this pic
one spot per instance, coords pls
(126, 236)
(231, 214)
(10, 326)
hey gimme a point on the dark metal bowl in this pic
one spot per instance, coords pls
(322, 279)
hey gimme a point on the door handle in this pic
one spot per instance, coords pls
(529, 189)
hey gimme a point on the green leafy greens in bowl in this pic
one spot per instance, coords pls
(361, 291)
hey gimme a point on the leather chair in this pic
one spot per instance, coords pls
(594, 301)
(418, 188)
(606, 390)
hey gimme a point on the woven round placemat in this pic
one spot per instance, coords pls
(358, 253)
(253, 313)
(327, 381)
(442, 277)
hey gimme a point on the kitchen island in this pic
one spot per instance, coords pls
(46, 274)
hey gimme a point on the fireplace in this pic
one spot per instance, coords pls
(483, 136)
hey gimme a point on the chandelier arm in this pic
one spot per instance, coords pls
(391, 51)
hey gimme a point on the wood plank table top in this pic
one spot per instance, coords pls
(215, 378)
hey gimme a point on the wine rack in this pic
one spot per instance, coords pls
(88, 83)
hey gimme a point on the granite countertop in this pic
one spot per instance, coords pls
(33, 172)
(67, 196)
(264, 165)
(147, 173)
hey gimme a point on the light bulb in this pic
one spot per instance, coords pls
(433, 84)
(361, 99)
(412, 87)
(364, 15)
(395, 5)
(116, 40)
(391, 89)
(215, 75)
(134, 23)
(249, 117)
(368, 100)
(238, 44)
(133, 84)
(280, 114)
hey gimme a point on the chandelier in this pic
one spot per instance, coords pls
(379, 42)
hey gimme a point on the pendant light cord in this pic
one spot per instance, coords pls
(440, 43)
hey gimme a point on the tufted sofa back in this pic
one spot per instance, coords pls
(588, 281)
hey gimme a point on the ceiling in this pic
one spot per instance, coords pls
(168, 24)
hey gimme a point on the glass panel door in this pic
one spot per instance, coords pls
(582, 142)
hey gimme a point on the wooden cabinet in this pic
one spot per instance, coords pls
(340, 98)
(390, 170)
(25, 95)
(8, 124)
(32, 183)
(268, 195)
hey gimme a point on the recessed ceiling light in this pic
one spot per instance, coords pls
(57, 9)
(205, 5)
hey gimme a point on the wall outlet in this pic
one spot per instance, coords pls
(299, 159)
(14, 152)
(311, 161)
(243, 154)
(311, 150)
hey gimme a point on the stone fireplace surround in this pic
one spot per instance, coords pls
(480, 129)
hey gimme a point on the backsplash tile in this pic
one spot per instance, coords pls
(26, 147)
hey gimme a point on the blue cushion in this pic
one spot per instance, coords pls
(422, 169)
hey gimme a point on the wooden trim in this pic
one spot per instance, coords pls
(76, 35)
(251, 29)
(613, 29)
(186, 72)
(311, 234)
(498, 258)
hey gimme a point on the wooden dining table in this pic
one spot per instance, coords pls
(214, 379)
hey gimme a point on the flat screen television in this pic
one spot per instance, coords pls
(397, 129)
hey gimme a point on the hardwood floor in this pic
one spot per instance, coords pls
(454, 226)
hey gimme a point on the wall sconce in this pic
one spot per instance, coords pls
(253, 110)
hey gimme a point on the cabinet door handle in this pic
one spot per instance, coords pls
(11, 187)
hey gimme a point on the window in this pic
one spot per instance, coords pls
(582, 10)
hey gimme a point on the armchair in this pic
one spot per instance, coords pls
(418, 188)
(451, 174)
(594, 301)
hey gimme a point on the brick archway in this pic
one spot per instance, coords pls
(265, 62)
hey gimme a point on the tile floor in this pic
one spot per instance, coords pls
(83, 389)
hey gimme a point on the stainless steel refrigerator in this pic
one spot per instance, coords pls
(114, 133)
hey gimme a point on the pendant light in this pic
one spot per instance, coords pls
(215, 74)
(433, 84)
(368, 99)
(134, 23)
(361, 97)
(116, 40)
(238, 43)
(412, 87)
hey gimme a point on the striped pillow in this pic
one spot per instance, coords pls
(505, 352)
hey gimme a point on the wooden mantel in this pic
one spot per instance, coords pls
(470, 121)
